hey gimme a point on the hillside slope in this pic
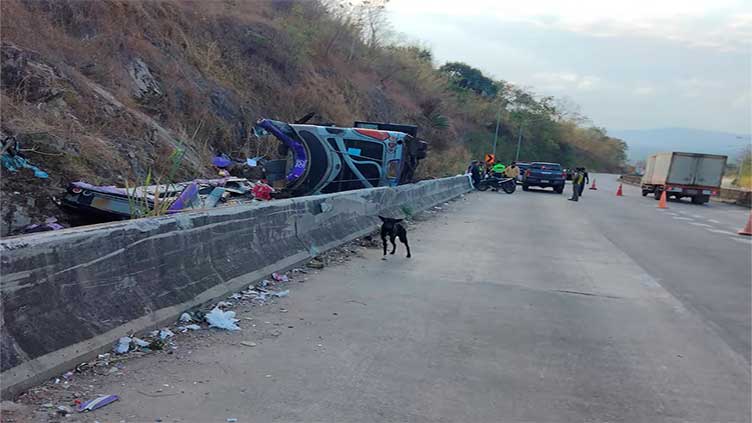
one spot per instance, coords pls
(105, 91)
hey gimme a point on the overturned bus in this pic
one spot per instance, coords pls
(326, 159)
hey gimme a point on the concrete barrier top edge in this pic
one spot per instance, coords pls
(149, 223)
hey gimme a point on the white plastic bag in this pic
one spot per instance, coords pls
(222, 319)
(123, 345)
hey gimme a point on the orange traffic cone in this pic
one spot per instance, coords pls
(662, 202)
(747, 229)
(618, 191)
(593, 185)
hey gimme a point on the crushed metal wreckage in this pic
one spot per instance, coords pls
(118, 203)
(326, 159)
(316, 159)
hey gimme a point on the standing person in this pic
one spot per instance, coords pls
(475, 173)
(577, 179)
(585, 179)
(512, 171)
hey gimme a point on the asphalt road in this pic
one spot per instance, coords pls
(522, 307)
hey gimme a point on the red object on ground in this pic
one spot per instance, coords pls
(747, 229)
(618, 191)
(593, 185)
(662, 202)
(262, 191)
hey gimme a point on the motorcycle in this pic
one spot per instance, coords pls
(508, 185)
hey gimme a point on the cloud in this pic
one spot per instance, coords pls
(645, 90)
(697, 87)
(562, 81)
(655, 66)
(720, 24)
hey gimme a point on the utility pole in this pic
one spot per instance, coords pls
(496, 134)
(519, 141)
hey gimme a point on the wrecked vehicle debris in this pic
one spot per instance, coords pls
(118, 203)
(326, 159)
(13, 161)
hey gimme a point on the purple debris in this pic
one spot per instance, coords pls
(221, 162)
(97, 403)
(187, 198)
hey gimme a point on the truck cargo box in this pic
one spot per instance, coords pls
(693, 175)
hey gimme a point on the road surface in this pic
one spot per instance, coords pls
(522, 307)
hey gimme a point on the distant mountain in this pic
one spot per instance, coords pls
(644, 142)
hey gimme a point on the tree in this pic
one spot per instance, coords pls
(468, 77)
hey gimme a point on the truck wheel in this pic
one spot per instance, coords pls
(559, 190)
(644, 193)
(525, 187)
(700, 199)
(657, 194)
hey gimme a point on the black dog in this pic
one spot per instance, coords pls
(393, 228)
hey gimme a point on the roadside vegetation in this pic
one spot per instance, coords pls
(101, 91)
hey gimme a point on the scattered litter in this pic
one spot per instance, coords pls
(221, 161)
(280, 277)
(140, 342)
(186, 317)
(13, 162)
(50, 224)
(97, 403)
(222, 319)
(156, 345)
(123, 345)
(315, 264)
(262, 191)
(69, 375)
(225, 304)
(236, 296)
(265, 283)
(64, 410)
(248, 344)
(188, 327)
(165, 333)
(280, 294)
(298, 270)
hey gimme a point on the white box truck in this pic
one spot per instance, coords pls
(693, 175)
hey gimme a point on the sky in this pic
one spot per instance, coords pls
(635, 64)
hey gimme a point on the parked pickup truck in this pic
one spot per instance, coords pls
(693, 175)
(544, 175)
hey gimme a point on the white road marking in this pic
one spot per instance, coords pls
(747, 240)
(701, 224)
(713, 221)
(721, 231)
(682, 218)
(696, 216)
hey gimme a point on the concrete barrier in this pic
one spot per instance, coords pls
(70, 294)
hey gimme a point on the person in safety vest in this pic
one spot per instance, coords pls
(578, 179)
